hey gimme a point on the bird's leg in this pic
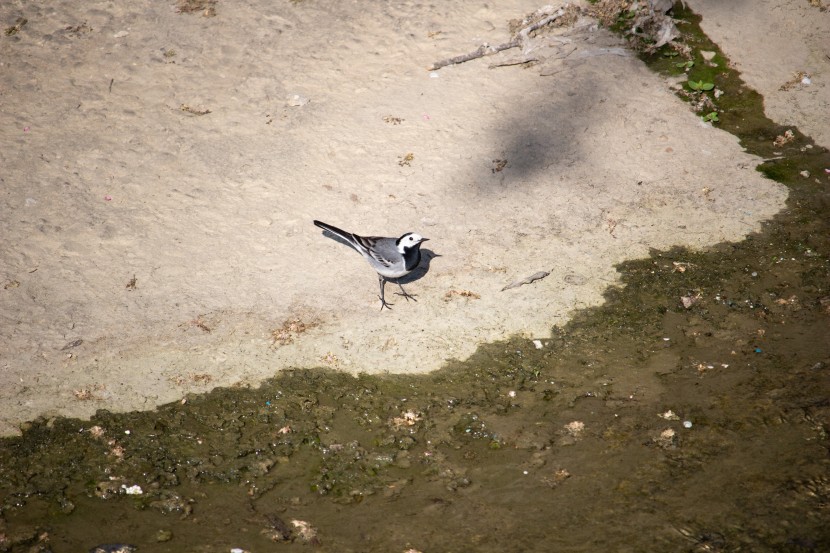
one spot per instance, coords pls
(404, 294)
(382, 282)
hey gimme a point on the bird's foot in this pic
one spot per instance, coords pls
(404, 294)
(384, 303)
(407, 296)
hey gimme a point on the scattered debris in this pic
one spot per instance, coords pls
(207, 7)
(289, 330)
(72, 344)
(499, 165)
(532, 278)
(113, 548)
(707, 55)
(704, 367)
(680, 266)
(198, 322)
(331, 360)
(131, 284)
(575, 428)
(690, 300)
(669, 415)
(462, 293)
(83, 394)
(96, 432)
(799, 77)
(18, 24)
(667, 439)
(306, 532)
(192, 378)
(187, 109)
(277, 529)
(77, 30)
(405, 160)
(171, 502)
(393, 120)
(408, 418)
(559, 476)
(785, 138)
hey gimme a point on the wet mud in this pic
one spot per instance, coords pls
(689, 413)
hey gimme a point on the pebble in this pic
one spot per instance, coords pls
(296, 100)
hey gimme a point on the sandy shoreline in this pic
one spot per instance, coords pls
(191, 154)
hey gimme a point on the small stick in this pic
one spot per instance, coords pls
(528, 280)
(481, 51)
(485, 49)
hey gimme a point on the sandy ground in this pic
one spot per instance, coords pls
(160, 172)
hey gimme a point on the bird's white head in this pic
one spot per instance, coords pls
(410, 240)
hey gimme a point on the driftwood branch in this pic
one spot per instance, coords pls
(520, 38)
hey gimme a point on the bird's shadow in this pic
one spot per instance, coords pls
(338, 238)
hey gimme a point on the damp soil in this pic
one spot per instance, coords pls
(689, 413)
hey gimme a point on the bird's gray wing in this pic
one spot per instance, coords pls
(382, 250)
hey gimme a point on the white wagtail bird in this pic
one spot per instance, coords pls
(392, 258)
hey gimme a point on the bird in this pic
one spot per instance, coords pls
(392, 258)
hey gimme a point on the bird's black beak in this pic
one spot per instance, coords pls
(424, 239)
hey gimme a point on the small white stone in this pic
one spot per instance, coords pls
(296, 100)
(132, 490)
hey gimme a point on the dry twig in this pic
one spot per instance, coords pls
(543, 16)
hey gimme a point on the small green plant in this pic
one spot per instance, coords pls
(700, 85)
(711, 117)
(685, 64)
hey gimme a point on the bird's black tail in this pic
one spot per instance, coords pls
(334, 230)
(350, 239)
